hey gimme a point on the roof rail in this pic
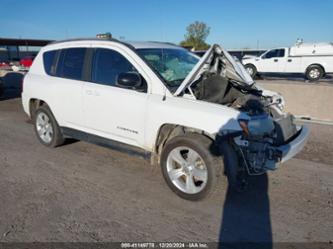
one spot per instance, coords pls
(94, 39)
(170, 43)
(86, 39)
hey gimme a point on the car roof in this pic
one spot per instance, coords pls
(133, 44)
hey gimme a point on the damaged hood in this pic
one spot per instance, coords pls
(217, 60)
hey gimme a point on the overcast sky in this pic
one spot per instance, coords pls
(234, 23)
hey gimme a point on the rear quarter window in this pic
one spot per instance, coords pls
(49, 61)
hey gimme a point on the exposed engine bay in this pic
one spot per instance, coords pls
(268, 126)
(217, 89)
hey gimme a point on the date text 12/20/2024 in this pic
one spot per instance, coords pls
(164, 245)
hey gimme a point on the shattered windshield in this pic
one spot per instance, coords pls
(173, 65)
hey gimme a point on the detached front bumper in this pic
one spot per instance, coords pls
(259, 157)
(295, 146)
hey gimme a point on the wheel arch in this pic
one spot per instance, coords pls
(250, 64)
(168, 131)
(34, 103)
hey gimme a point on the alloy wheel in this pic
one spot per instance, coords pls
(187, 170)
(44, 127)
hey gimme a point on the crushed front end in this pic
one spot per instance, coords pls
(268, 136)
(267, 142)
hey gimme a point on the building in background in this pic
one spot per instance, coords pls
(16, 49)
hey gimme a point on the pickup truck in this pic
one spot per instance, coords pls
(312, 60)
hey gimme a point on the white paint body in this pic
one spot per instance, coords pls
(105, 110)
(296, 59)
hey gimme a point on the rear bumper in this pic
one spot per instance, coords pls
(295, 146)
(25, 103)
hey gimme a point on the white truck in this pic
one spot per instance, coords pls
(314, 60)
(189, 115)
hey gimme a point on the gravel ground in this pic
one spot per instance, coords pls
(82, 192)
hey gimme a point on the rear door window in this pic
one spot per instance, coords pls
(70, 63)
(281, 53)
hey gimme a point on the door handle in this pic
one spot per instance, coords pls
(89, 92)
(290, 60)
(276, 60)
(92, 93)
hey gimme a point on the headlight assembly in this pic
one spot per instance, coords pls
(257, 125)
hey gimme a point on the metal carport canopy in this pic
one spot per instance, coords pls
(23, 42)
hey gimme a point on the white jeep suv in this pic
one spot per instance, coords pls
(190, 115)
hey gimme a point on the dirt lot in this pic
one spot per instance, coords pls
(82, 192)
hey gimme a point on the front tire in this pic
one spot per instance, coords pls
(314, 73)
(47, 128)
(189, 167)
(251, 69)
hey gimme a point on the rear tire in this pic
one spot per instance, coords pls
(314, 73)
(47, 128)
(252, 70)
(189, 166)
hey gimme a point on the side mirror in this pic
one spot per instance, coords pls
(129, 80)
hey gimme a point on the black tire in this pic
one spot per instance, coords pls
(202, 146)
(56, 137)
(314, 73)
(252, 70)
